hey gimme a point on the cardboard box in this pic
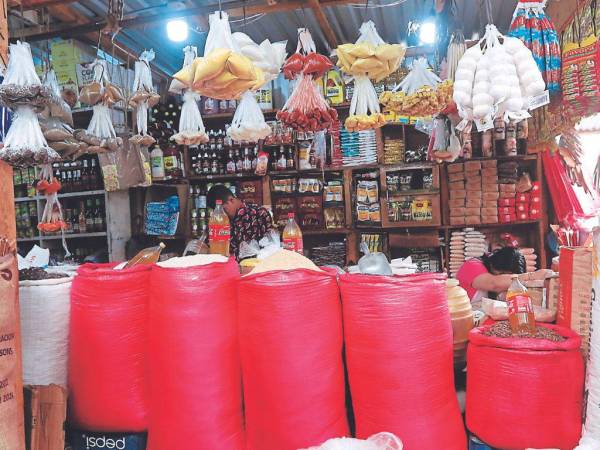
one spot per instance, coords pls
(473, 220)
(460, 212)
(473, 185)
(474, 193)
(88, 440)
(472, 165)
(457, 220)
(508, 188)
(45, 416)
(489, 187)
(458, 194)
(456, 203)
(474, 203)
(489, 212)
(472, 211)
(456, 168)
(575, 298)
(456, 185)
(489, 219)
(490, 204)
(507, 194)
(487, 196)
(473, 176)
(489, 172)
(489, 163)
(456, 176)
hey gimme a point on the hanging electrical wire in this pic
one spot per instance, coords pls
(375, 6)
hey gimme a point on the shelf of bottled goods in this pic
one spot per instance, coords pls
(65, 195)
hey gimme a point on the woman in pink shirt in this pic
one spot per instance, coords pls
(492, 273)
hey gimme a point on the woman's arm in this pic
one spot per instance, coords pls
(501, 283)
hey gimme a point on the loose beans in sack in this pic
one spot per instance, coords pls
(45, 308)
(525, 392)
(195, 378)
(290, 333)
(399, 355)
(108, 348)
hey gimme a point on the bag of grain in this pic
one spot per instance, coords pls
(45, 308)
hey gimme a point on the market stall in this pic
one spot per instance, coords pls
(294, 226)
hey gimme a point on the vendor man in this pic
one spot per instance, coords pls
(493, 273)
(248, 222)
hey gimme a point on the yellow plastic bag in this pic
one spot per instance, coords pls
(240, 66)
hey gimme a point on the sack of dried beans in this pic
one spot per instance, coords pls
(525, 392)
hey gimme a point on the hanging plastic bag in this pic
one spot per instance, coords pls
(177, 86)
(532, 26)
(379, 441)
(267, 56)
(364, 113)
(21, 85)
(143, 98)
(47, 183)
(223, 73)
(52, 217)
(306, 109)
(248, 122)
(57, 107)
(420, 93)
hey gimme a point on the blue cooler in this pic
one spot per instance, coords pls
(88, 440)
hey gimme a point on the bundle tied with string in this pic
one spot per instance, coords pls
(52, 218)
(223, 72)
(144, 97)
(22, 91)
(370, 58)
(100, 134)
(191, 128)
(420, 93)
(496, 78)
(248, 122)
(306, 109)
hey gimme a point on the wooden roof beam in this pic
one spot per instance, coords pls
(233, 8)
(315, 5)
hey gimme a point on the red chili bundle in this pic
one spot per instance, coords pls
(307, 109)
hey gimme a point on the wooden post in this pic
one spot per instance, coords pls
(12, 434)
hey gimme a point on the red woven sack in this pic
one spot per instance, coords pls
(290, 330)
(108, 348)
(399, 355)
(195, 378)
(525, 393)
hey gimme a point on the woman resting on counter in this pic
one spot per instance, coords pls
(492, 273)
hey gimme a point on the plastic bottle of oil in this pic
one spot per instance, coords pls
(219, 231)
(520, 308)
(148, 255)
(292, 236)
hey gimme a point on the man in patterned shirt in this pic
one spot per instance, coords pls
(248, 222)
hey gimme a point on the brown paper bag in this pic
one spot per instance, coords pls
(122, 169)
(12, 435)
(575, 295)
(45, 416)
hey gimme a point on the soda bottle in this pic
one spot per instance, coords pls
(219, 231)
(148, 255)
(292, 236)
(520, 308)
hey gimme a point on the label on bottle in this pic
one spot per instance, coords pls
(219, 232)
(158, 169)
(293, 245)
(519, 304)
(170, 163)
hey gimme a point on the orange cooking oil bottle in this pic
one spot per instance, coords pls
(148, 255)
(292, 236)
(219, 231)
(520, 308)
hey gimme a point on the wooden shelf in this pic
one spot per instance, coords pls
(493, 225)
(58, 236)
(65, 195)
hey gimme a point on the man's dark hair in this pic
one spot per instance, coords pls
(505, 260)
(218, 192)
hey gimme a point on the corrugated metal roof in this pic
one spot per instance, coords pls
(391, 22)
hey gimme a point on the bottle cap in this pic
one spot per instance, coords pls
(219, 202)
(290, 215)
(162, 245)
